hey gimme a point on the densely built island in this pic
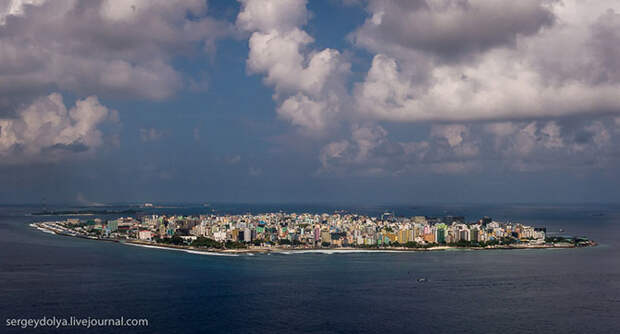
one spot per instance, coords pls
(291, 231)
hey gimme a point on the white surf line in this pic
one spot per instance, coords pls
(181, 250)
(338, 251)
(42, 229)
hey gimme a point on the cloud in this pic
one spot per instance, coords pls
(475, 148)
(278, 15)
(520, 70)
(369, 151)
(310, 113)
(449, 28)
(497, 88)
(47, 131)
(15, 7)
(486, 78)
(452, 133)
(309, 86)
(442, 60)
(461, 142)
(108, 48)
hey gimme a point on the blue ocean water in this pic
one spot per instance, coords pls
(500, 291)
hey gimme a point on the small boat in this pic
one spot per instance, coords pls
(422, 279)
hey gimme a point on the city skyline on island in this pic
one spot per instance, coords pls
(276, 232)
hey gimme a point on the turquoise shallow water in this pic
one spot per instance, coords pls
(515, 291)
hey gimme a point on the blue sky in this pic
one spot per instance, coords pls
(324, 101)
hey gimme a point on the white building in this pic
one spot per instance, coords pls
(145, 235)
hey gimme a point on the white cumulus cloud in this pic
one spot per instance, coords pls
(47, 131)
(308, 83)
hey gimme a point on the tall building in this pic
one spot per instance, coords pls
(474, 235)
(403, 236)
(247, 235)
(464, 235)
(113, 225)
(235, 235)
(440, 235)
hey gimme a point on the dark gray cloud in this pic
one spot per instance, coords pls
(605, 43)
(104, 47)
(75, 147)
(449, 28)
(565, 66)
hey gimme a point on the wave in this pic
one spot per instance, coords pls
(338, 251)
(210, 253)
(181, 250)
(33, 225)
(46, 231)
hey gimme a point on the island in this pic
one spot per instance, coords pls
(279, 232)
(84, 212)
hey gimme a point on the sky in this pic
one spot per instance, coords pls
(339, 101)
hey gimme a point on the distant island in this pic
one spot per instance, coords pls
(84, 212)
(291, 231)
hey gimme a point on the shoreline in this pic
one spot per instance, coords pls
(43, 227)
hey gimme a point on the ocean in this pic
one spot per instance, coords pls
(495, 291)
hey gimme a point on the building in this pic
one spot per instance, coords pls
(464, 235)
(145, 235)
(247, 235)
(326, 237)
(474, 235)
(403, 236)
(112, 225)
(440, 234)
